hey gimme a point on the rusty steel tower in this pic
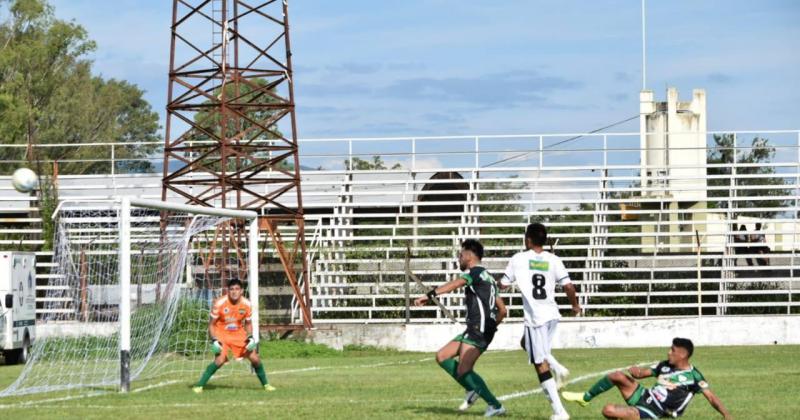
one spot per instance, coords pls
(231, 138)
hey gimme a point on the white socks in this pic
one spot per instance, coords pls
(549, 387)
(554, 365)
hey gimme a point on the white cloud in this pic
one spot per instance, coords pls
(594, 45)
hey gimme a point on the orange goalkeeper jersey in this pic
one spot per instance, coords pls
(229, 318)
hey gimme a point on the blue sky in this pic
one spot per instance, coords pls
(446, 67)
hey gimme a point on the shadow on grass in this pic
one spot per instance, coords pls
(439, 410)
(475, 411)
(212, 387)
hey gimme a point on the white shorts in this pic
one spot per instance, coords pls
(537, 341)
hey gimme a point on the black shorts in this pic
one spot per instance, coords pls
(643, 401)
(473, 336)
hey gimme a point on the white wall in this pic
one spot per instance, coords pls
(580, 333)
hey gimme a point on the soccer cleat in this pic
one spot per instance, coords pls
(197, 389)
(491, 411)
(575, 397)
(560, 416)
(561, 378)
(469, 399)
(269, 388)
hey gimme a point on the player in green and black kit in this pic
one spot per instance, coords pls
(485, 309)
(677, 382)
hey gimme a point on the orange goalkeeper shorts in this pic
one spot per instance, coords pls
(237, 347)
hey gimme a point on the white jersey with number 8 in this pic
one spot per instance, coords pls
(536, 275)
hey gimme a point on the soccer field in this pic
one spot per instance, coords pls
(754, 382)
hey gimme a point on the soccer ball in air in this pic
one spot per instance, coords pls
(24, 180)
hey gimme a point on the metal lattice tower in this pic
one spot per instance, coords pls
(231, 138)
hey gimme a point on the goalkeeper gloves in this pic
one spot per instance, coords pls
(251, 343)
(216, 346)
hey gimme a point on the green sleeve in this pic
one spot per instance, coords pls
(467, 277)
(700, 380)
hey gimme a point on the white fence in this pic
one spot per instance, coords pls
(628, 232)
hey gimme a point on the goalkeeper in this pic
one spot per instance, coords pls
(231, 331)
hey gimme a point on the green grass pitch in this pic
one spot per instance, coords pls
(754, 382)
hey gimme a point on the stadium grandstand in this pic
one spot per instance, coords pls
(649, 225)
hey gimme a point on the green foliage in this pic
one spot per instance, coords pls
(247, 92)
(243, 122)
(285, 349)
(190, 326)
(48, 95)
(510, 208)
(48, 201)
(760, 152)
(770, 293)
(376, 163)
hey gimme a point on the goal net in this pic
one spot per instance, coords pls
(130, 292)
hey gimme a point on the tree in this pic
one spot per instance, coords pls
(48, 95)
(760, 152)
(246, 120)
(377, 163)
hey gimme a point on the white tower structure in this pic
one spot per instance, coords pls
(673, 157)
(673, 146)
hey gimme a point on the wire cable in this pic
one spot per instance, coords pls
(561, 142)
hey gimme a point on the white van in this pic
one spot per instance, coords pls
(17, 305)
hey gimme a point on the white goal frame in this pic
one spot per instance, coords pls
(125, 266)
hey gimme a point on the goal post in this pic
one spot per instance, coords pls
(125, 295)
(130, 290)
(125, 265)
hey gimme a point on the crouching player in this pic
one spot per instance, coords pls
(231, 331)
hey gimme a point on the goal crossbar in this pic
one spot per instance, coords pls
(211, 211)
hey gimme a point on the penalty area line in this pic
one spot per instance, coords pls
(51, 400)
(372, 365)
(175, 381)
(270, 403)
(290, 403)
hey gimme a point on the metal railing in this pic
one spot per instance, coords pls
(415, 153)
(663, 243)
